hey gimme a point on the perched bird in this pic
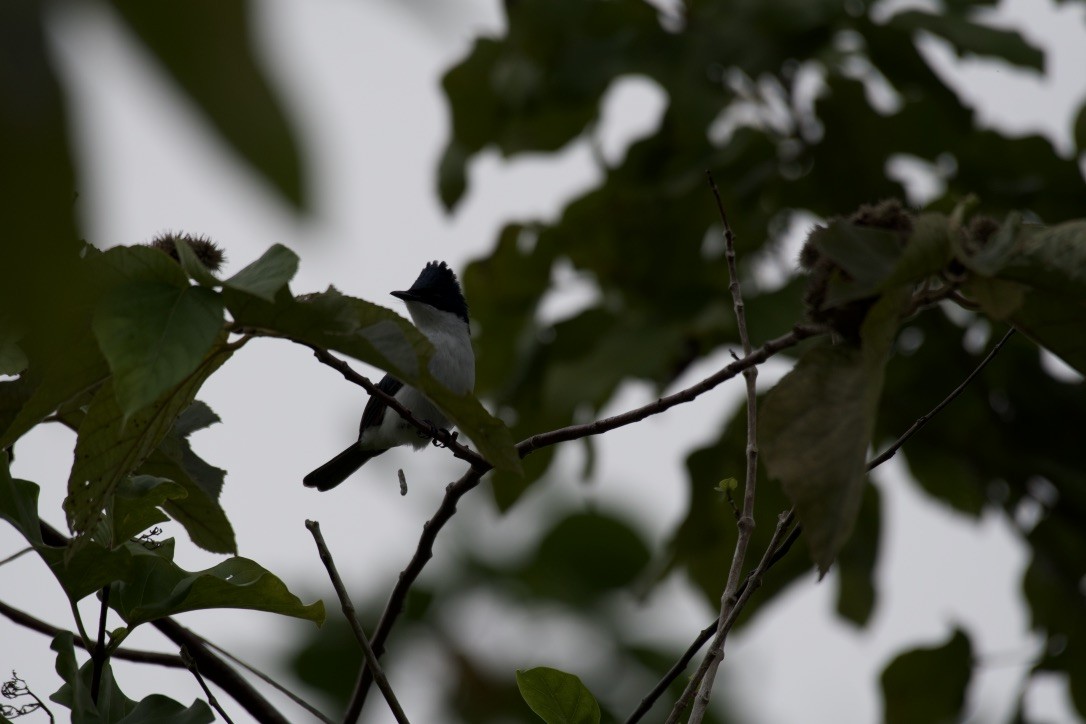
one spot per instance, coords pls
(437, 306)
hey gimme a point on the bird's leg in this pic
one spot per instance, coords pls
(437, 434)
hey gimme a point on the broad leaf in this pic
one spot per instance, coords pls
(558, 697)
(266, 276)
(108, 448)
(928, 684)
(113, 707)
(136, 504)
(816, 425)
(156, 587)
(240, 104)
(154, 335)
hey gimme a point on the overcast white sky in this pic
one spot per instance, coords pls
(361, 83)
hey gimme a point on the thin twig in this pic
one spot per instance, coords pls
(15, 555)
(923, 419)
(190, 663)
(212, 666)
(706, 633)
(34, 624)
(753, 583)
(349, 612)
(99, 656)
(575, 432)
(470, 479)
(746, 521)
(267, 680)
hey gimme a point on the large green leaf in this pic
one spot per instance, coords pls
(198, 510)
(109, 447)
(136, 504)
(376, 335)
(222, 75)
(585, 556)
(1039, 284)
(816, 425)
(154, 335)
(266, 276)
(113, 707)
(558, 697)
(928, 684)
(155, 587)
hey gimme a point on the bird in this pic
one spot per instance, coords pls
(438, 308)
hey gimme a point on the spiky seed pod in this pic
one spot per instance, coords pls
(205, 249)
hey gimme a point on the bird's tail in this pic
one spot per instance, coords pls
(339, 468)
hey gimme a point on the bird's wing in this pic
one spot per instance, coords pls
(375, 408)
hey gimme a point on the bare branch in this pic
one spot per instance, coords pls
(728, 599)
(923, 419)
(575, 432)
(753, 583)
(349, 612)
(190, 663)
(34, 624)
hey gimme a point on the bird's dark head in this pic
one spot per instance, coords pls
(437, 287)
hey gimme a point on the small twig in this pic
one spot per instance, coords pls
(190, 663)
(746, 521)
(34, 624)
(446, 438)
(99, 655)
(349, 612)
(753, 583)
(575, 432)
(923, 419)
(267, 680)
(16, 555)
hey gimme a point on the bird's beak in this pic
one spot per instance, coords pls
(407, 296)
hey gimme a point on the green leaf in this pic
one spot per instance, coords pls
(856, 562)
(113, 706)
(240, 104)
(928, 684)
(927, 252)
(156, 588)
(1040, 284)
(108, 448)
(19, 503)
(266, 276)
(75, 693)
(585, 556)
(379, 336)
(968, 37)
(817, 423)
(868, 255)
(136, 503)
(154, 335)
(558, 697)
